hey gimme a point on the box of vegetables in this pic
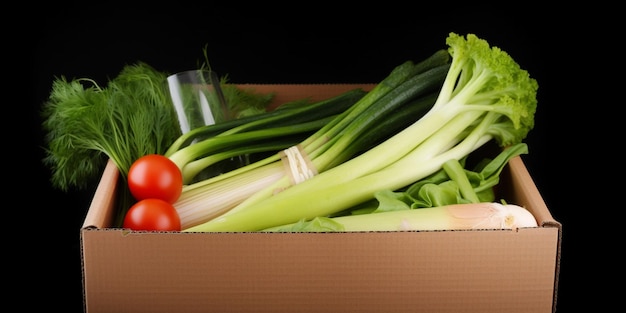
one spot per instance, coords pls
(409, 194)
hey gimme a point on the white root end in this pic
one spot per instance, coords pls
(492, 215)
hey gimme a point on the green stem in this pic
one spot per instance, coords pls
(193, 168)
(456, 172)
(219, 143)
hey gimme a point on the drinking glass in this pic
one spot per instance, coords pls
(198, 100)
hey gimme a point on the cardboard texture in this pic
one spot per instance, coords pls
(440, 271)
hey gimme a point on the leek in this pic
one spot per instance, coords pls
(483, 215)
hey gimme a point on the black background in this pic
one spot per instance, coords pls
(308, 44)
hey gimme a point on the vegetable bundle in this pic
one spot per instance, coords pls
(396, 102)
(485, 96)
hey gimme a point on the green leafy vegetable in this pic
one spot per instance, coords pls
(86, 125)
(453, 184)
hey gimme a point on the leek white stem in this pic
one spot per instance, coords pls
(488, 215)
(199, 205)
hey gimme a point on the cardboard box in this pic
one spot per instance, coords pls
(434, 271)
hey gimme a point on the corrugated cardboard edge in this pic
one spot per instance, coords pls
(102, 205)
(525, 190)
(100, 211)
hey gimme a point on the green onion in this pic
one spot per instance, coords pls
(216, 145)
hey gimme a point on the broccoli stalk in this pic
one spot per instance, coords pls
(485, 96)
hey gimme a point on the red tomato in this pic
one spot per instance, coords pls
(152, 214)
(155, 176)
